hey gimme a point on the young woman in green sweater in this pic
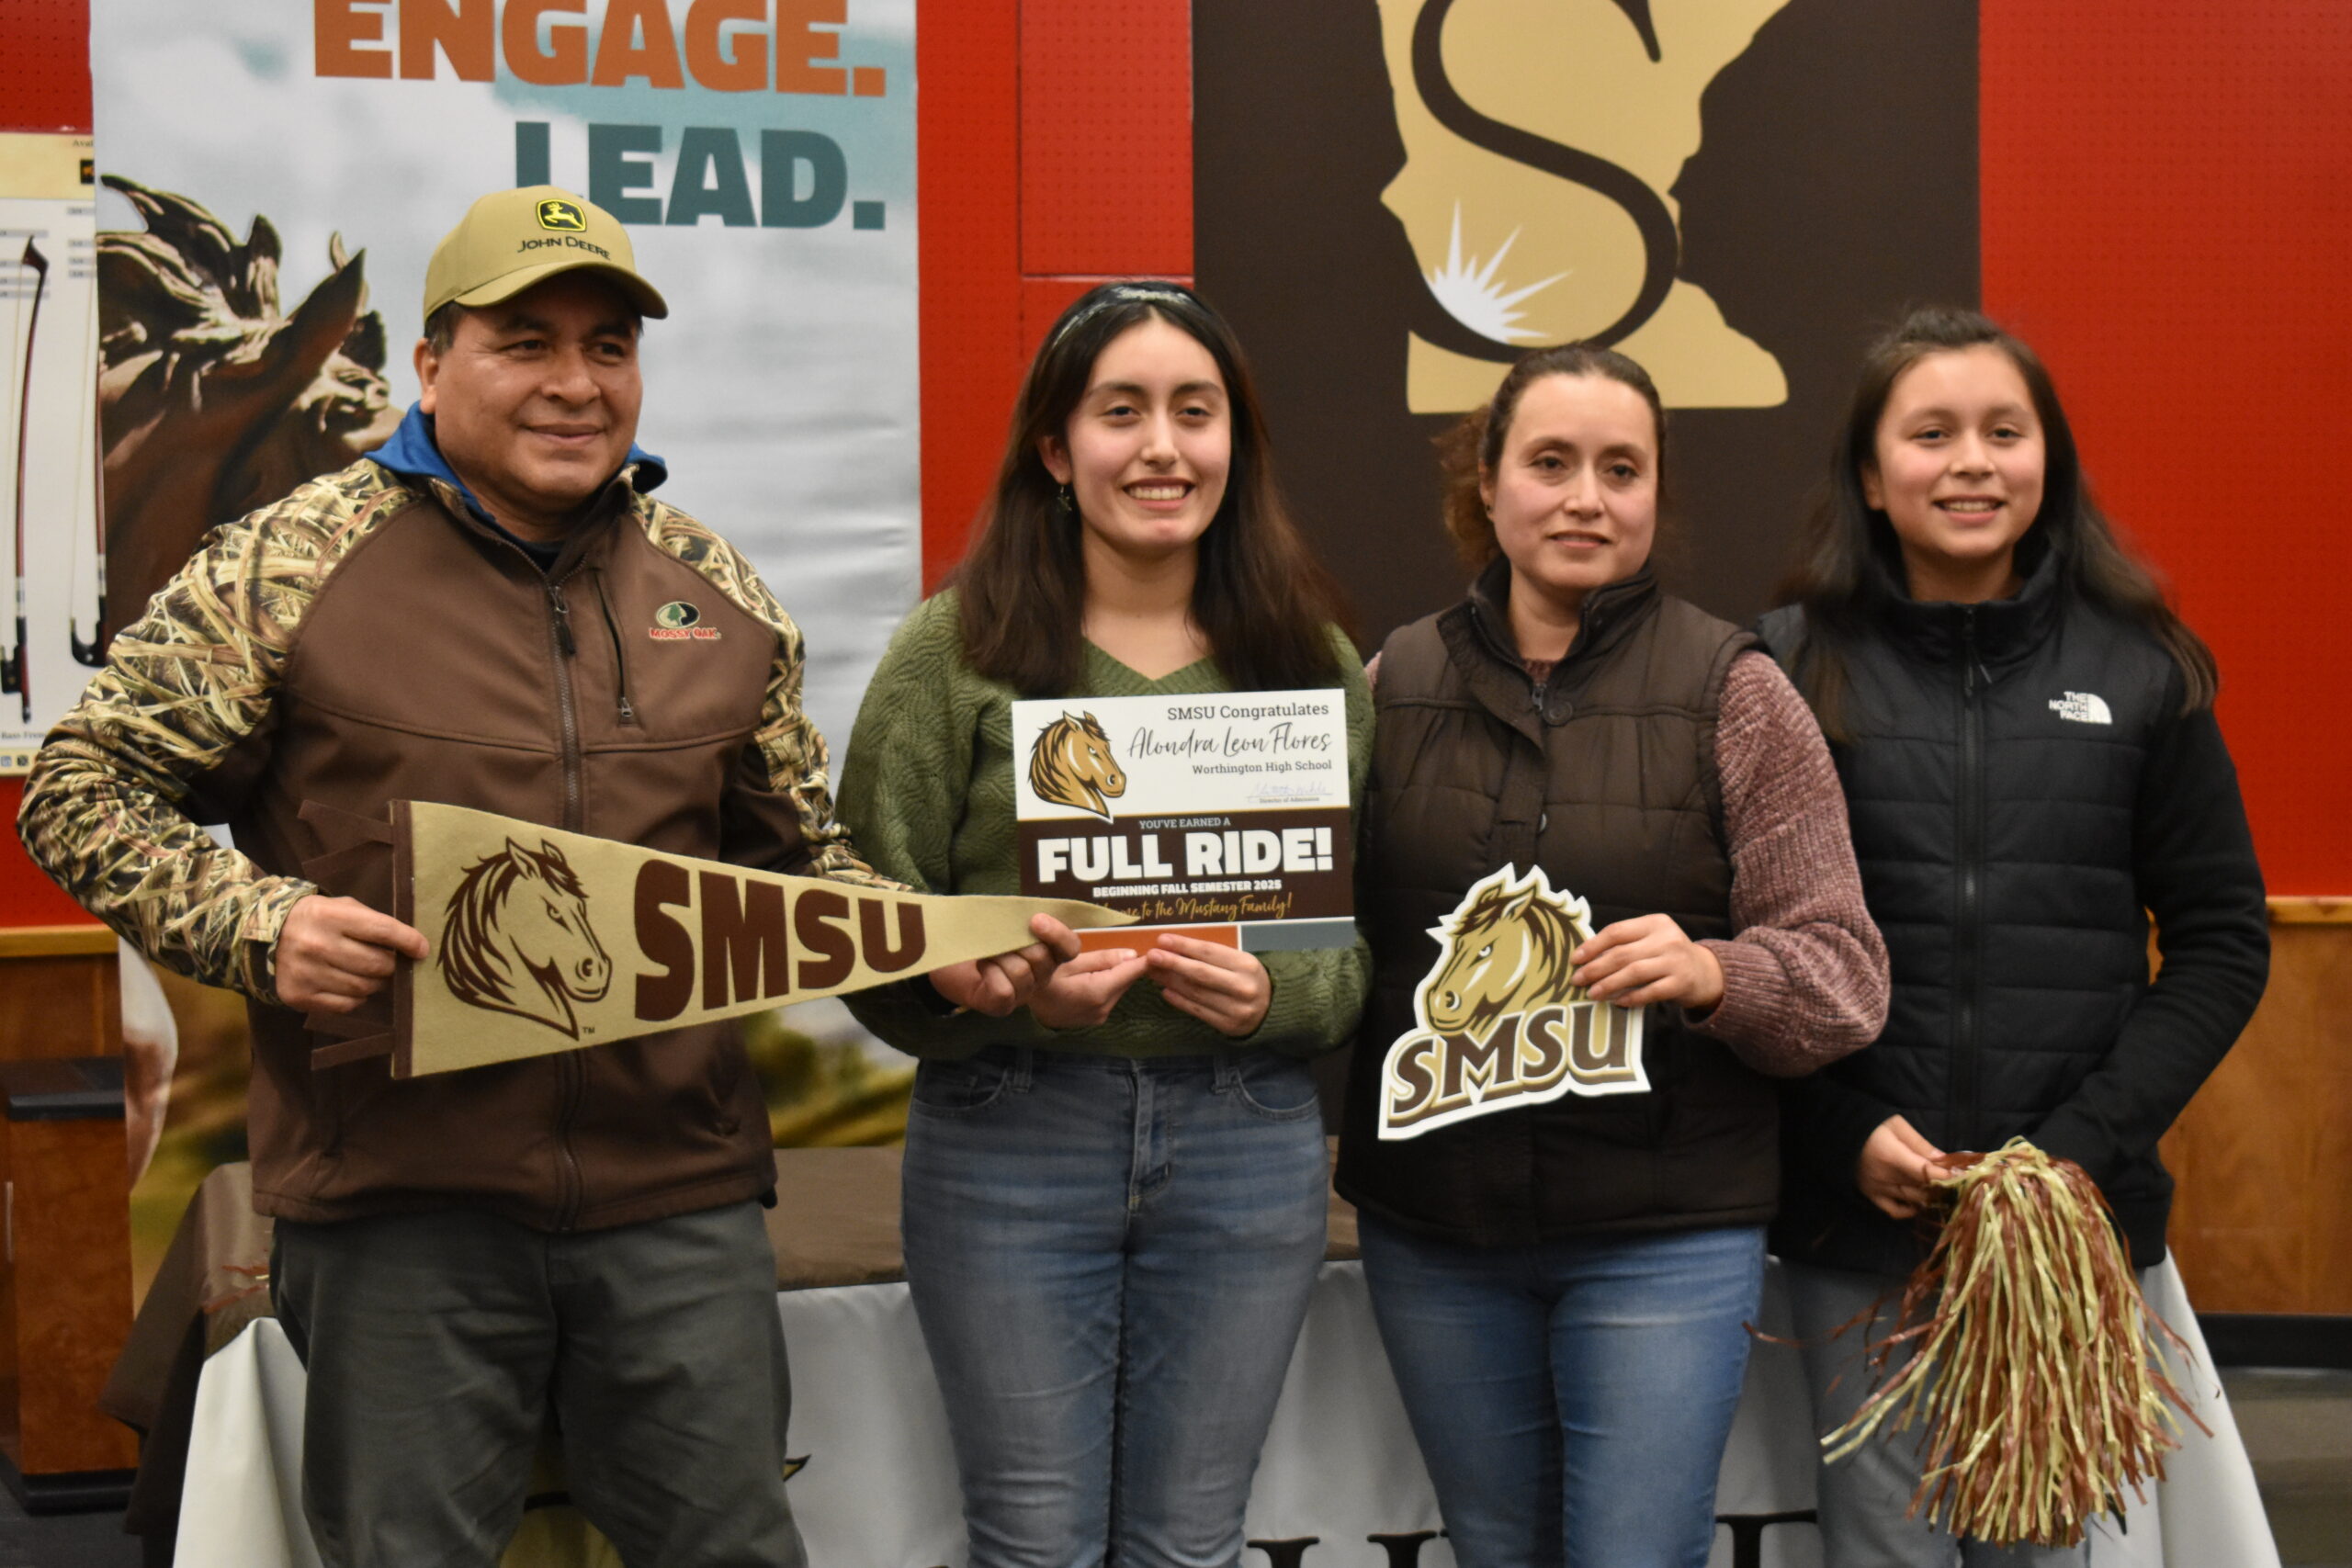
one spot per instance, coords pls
(1114, 1199)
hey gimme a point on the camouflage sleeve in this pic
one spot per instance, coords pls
(787, 756)
(184, 690)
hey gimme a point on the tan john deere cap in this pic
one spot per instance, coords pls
(512, 238)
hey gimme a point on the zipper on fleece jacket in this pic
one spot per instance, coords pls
(627, 709)
(570, 1072)
(1967, 1083)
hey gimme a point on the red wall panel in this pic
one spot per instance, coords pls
(1106, 137)
(45, 65)
(2167, 218)
(968, 172)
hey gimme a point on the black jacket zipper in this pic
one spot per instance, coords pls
(1967, 1077)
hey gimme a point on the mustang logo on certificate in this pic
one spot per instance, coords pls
(1225, 815)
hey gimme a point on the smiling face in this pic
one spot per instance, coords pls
(1149, 448)
(1958, 472)
(535, 401)
(1573, 491)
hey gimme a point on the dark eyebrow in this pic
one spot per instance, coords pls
(1562, 443)
(1136, 389)
(2011, 411)
(521, 321)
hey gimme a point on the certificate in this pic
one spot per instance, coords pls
(1225, 815)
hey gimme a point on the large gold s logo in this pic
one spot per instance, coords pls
(1500, 1025)
(1070, 765)
(1541, 139)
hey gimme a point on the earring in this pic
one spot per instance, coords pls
(1067, 500)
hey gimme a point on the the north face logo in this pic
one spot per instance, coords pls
(2082, 707)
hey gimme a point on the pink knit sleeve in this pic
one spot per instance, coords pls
(1805, 978)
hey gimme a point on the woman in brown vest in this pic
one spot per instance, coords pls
(1585, 792)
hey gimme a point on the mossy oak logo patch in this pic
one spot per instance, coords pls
(562, 215)
(1071, 764)
(517, 939)
(1500, 1025)
(680, 622)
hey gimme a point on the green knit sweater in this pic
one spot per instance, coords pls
(927, 794)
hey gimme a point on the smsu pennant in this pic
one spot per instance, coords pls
(545, 941)
(1500, 1025)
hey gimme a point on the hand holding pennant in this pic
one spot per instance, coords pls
(545, 941)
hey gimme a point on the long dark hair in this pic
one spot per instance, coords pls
(1469, 450)
(1259, 597)
(1850, 565)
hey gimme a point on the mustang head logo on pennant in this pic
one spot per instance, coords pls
(1071, 764)
(517, 939)
(1500, 1025)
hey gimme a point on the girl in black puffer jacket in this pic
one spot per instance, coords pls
(2026, 736)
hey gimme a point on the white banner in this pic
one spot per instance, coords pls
(761, 151)
(48, 477)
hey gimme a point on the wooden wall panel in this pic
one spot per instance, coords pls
(2263, 1218)
(67, 1006)
(68, 1279)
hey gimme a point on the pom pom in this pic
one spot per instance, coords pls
(2037, 1371)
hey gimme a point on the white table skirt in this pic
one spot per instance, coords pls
(879, 1488)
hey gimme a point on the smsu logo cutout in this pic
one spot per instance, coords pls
(1500, 1025)
(1071, 764)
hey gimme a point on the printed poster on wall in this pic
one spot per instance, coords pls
(48, 476)
(276, 173)
(1224, 814)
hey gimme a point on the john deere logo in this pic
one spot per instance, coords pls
(1071, 764)
(678, 621)
(564, 215)
(1500, 1023)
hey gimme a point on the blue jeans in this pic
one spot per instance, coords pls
(1571, 1399)
(1110, 1260)
(1866, 1518)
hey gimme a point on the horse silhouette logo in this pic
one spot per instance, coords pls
(1071, 764)
(517, 939)
(1501, 1024)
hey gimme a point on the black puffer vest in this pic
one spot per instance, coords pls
(1605, 778)
(1992, 777)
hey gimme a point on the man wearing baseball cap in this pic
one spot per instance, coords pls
(466, 615)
